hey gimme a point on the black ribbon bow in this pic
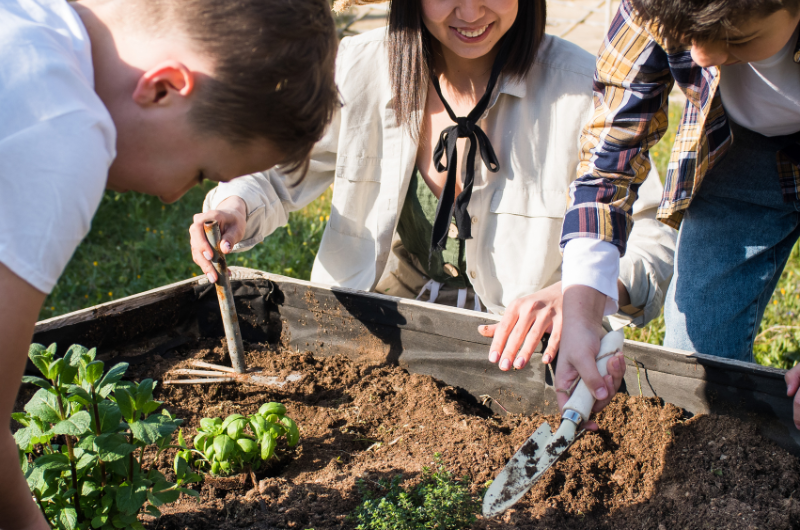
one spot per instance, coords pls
(466, 127)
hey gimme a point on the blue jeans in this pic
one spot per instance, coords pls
(733, 244)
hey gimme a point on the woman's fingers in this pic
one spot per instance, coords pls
(501, 334)
(487, 330)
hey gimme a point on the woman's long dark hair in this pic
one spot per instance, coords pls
(410, 53)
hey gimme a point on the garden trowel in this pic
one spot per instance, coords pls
(544, 447)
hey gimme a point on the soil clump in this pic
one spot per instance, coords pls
(646, 468)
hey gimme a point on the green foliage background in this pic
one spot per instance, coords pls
(137, 243)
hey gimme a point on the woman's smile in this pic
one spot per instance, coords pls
(476, 34)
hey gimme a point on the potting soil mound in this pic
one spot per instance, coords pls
(646, 468)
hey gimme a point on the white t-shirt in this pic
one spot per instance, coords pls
(57, 139)
(764, 96)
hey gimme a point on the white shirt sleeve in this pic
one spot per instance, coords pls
(57, 140)
(593, 263)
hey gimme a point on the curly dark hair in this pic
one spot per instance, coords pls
(683, 21)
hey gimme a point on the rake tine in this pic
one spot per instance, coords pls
(189, 371)
(218, 367)
(199, 381)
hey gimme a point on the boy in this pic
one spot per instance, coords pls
(737, 207)
(151, 96)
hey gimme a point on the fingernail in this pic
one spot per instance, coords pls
(519, 363)
(494, 356)
(210, 277)
(505, 364)
(546, 359)
(226, 246)
(207, 255)
(602, 393)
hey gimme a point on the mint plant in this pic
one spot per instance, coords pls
(83, 440)
(438, 502)
(227, 446)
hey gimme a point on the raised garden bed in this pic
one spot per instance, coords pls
(388, 383)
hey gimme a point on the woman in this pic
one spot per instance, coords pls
(418, 208)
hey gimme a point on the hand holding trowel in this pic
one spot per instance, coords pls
(544, 447)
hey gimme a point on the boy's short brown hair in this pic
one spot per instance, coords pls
(273, 71)
(684, 21)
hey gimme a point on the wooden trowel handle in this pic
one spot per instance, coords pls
(581, 400)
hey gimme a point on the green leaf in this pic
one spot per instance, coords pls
(223, 446)
(56, 367)
(94, 371)
(38, 381)
(272, 408)
(235, 428)
(35, 478)
(258, 424)
(68, 518)
(126, 403)
(75, 425)
(130, 498)
(88, 488)
(292, 432)
(113, 446)
(111, 378)
(144, 431)
(201, 441)
(22, 418)
(268, 444)
(110, 416)
(53, 462)
(40, 358)
(180, 466)
(44, 405)
(86, 460)
(76, 393)
(99, 521)
(72, 364)
(247, 445)
(23, 438)
(144, 393)
(152, 510)
(149, 407)
(230, 419)
(210, 425)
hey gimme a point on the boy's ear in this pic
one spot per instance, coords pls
(155, 85)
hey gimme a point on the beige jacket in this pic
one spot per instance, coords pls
(534, 127)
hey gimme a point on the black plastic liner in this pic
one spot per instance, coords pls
(423, 338)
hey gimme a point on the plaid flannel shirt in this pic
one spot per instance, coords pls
(634, 76)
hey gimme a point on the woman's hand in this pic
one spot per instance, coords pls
(792, 378)
(231, 214)
(525, 321)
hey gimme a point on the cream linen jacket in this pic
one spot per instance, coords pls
(534, 127)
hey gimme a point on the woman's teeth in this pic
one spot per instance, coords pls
(473, 33)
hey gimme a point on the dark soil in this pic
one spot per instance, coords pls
(645, 468)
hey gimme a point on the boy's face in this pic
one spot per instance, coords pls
(755, 40)
(169, 158)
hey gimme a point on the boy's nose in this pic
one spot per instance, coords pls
(709, 53)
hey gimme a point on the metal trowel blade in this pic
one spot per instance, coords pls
(534, 458)
(522, 465)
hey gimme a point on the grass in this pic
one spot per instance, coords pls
(137, 243)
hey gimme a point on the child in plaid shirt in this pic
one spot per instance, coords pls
(733, 180)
